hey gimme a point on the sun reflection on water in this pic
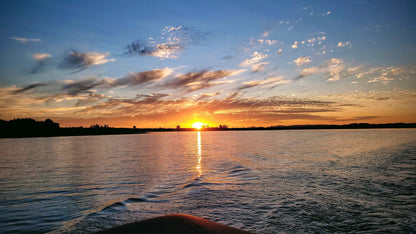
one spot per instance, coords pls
(199, 155)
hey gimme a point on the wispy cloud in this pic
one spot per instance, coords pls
(52, 89)
(25, 40)
(258, 66)
(188, 82)
(136, 78)
(331, 68)
(42, 62)
(81, 86)
(72, 87)
(204, 96)
(81, 102)
(193, 81)
(28, 87)
(302, 60)
(335, 69)
(255, 58)
(273, 106)
(168, 45)
(344, 44)
(383, 79)
(168, 50)
(41, 56)
(387, 74)
(151, 98)
(269, 82)
(90, 98)
(396, 94)
(79, 61)
(308, 72)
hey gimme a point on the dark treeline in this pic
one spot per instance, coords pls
(290, 127)
(32, 128)
(323, 126)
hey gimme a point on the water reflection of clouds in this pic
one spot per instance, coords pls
(199, 155)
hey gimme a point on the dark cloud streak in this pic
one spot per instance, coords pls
(77, 61)
(29, 87)
(193, 81)
(142, 77)
(82, 86)
(40, 66)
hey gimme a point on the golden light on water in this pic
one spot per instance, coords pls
(199, 155)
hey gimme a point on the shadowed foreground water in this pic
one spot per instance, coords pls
(260, 181)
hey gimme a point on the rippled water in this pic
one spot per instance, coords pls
(261, 181)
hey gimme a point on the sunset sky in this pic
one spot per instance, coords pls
(241, 63)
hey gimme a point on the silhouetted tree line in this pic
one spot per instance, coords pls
(32, 128)
(99, 126)
(288, 127)
(27, 127)
(333, 126)
(28, 124)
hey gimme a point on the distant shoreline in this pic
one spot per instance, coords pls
(290, 127)
(70, 132)
(17, 131)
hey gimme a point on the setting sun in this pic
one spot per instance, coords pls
(198, 125)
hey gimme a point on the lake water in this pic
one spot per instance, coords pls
(260, 181)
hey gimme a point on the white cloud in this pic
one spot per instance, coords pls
(255, 58)
(97, 58)
(170, 29)
(24, 40)
(327, 13)
(265, 34)
(40, 57)
(166, 51)
(302, 60)
(343, 44)
(386, 74)
(311, 40)
(334, 68)
(271, 42)
(279, 51)
(383, 78)
(295, 45)
(309, 71)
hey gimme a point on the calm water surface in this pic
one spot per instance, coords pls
(261, 181)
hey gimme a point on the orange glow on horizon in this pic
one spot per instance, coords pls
(198, 125)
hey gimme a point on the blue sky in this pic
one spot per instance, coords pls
(242, 63)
